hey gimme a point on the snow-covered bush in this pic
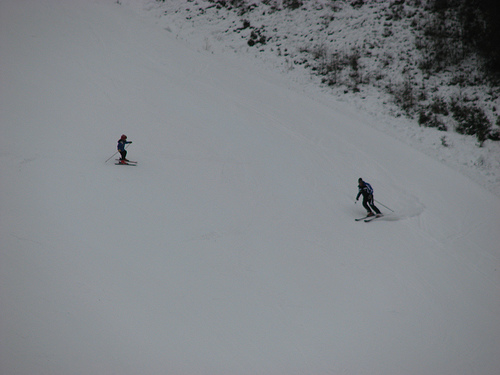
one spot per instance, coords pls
(431, 120)
(471, 121)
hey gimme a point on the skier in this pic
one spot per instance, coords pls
(366, 190)
(121, 148)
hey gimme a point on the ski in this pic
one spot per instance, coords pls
(127, 163)
(361, 218)
(371, 218)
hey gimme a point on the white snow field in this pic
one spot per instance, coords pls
(231, 248)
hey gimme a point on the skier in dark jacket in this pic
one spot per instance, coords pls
(121, 148)
(366, 190)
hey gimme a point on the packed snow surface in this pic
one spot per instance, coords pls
(363, 53)
(231, 248)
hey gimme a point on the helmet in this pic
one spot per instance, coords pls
(123, 137)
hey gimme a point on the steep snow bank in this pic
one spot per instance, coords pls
(371, 51)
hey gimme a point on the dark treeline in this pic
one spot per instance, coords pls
(479, 27)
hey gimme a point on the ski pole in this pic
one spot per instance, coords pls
(383, 205)
(111, 156)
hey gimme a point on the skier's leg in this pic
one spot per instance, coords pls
(372, 205)
(365, 204)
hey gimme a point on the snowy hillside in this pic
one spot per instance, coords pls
(367, 54)
(231, 248)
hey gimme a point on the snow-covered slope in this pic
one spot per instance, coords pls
(365, 53)
(231, 248)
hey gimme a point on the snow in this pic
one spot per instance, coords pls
(231, 248)
(385, 36)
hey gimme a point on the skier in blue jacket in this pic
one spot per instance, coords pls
(366, 190)
(121, 148)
